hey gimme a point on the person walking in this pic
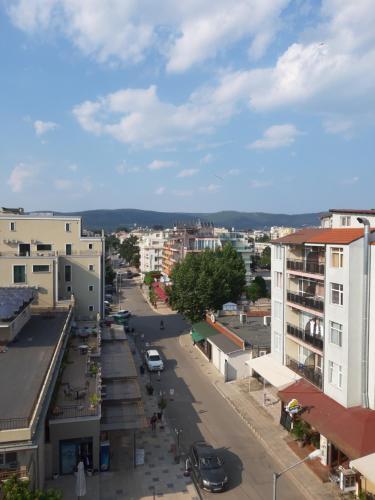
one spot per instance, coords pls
(153, 421)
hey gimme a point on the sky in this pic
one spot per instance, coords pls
(197, 106)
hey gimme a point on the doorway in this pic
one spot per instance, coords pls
(24, 249)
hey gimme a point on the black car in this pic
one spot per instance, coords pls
(207, 467)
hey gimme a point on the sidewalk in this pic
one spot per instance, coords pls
(161, 309)
(262, 424)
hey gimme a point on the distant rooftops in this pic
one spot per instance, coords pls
(15, 211)
(13, 300)
(340, 236)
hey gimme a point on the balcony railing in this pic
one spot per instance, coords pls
(306, 300)
(8, 424)
(299, 333)
(76, 411)
(19, 471)
(305, 266)
(312, 374)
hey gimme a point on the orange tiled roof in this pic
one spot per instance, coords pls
(340, 236)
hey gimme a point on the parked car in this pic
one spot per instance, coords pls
(207, 467)
(108, 297)
(153, 361)
(124, 312)
(107, 304)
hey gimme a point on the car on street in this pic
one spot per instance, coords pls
(207, 467)
(153, 360)
(124, 312)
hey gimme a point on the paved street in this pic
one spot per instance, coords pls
(201, 412)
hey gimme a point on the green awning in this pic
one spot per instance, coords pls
(201, 331)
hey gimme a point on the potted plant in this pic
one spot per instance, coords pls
(94, 400)
(300, 431)
(93, 369)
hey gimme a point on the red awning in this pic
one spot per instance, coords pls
(160, 292)
(351, 430)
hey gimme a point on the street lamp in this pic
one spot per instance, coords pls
(276, 475)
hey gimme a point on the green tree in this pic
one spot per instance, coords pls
(109, 272)
(257, 289)
(150, 277)
(112, 244)
(265, 260)
(122, 229)
(207, 280)
(19, 489)
(129, 250)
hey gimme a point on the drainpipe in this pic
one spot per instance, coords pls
(365, 312)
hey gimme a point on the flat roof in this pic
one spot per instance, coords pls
(223, 343)
(24, 365)
(253, 332)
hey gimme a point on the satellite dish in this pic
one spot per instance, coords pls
(213, 319)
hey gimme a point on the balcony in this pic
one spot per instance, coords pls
(20, 471)
(305, 266)
(306, 300)
(310, 373)
(299, 333)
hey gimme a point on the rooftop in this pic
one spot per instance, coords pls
(340, 236)
(253, 332)
(352, 211)
(13, 300)
(24, 365)
(117, 360)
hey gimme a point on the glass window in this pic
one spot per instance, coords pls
(278, 279)
(19, 274)
(68, 249)
(345, 220)
(41, 268)
(67, 227)
(91, 308)
(12, 226)
(278, 252)
(91, 288)
(277, 341)
(335, 374)
(337, 257)
(335, 333)
(68, 273)
(330, 372)
(69, 288)
(91, 267)
(45, 247)
(278, 309)
(90, 246)
(337, 294)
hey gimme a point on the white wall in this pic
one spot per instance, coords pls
(336, 220)
(277, 294)
(372, 331)
(236, 365)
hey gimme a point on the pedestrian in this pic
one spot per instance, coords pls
(153, 421)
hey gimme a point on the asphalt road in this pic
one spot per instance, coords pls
(201, 412)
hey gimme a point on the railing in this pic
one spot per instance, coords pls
(76, 411)
(18, 471)
(8, 424)
(306, 300)
(301, 334)
(31, 253)
(306, 266)
(309, 372)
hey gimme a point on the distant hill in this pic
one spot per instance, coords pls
(112, 219)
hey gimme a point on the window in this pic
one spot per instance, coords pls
(337, 294)
(278, 309)
(8, 458)
(345, 220)
(12, 226)
(68, 249)
(41, 268)
(91, 288)
(19, 274)
(337, 257)
(68, 273)
(67, 227)
(90, 246)
(69, 288)
(277, 341)
(278, 252)
(335, 333)
(91, 267)
(91, 308)
(43, 247)
(335, 374)
(278, 279)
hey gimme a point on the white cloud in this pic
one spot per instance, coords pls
(208, 158)
(123, 168)
(63, 184)
(350, 181)
(188, 172)
(73, 167)
(21, 176)
(160, 190)
(211, 188)
(185, 33)
(257, 184)
(160, 164)
(338, 125)
(234, 171)
(277, 136)
(42, 128)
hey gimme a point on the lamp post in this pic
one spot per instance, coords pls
(276, 475)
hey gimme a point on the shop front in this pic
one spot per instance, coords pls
(73, 451)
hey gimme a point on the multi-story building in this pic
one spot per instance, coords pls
(52, 254)
(182, 241)
(151, 251)
(240, 242)
(280, 231)
(323, 331)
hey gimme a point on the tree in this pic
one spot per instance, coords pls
(265, 260)
(129, 250)
(207, 280)
(257, 289)
(123, 229)
(109, 272)
(19, 489)
(112, 243)
(150, 277)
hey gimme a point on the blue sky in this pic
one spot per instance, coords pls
(253, 105)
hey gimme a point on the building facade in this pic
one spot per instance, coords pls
(151, 251)
(53, 255)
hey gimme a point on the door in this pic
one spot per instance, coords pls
(68, 457)
(24, 249)
(68, 249)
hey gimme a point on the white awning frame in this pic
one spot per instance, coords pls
(274, 373)
(365, 466)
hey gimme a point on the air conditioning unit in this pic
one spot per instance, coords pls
(266, 320)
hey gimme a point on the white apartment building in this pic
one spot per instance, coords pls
(151, 251)
(319, 353)
(51, 254)
(240, 242)
(280, 231)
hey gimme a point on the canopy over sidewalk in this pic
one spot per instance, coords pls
(365, 466)
(274, 373)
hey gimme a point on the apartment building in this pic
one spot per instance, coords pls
(280, 231)
(240, 242)
(320, 355)
(151, 251)
(53, 254)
